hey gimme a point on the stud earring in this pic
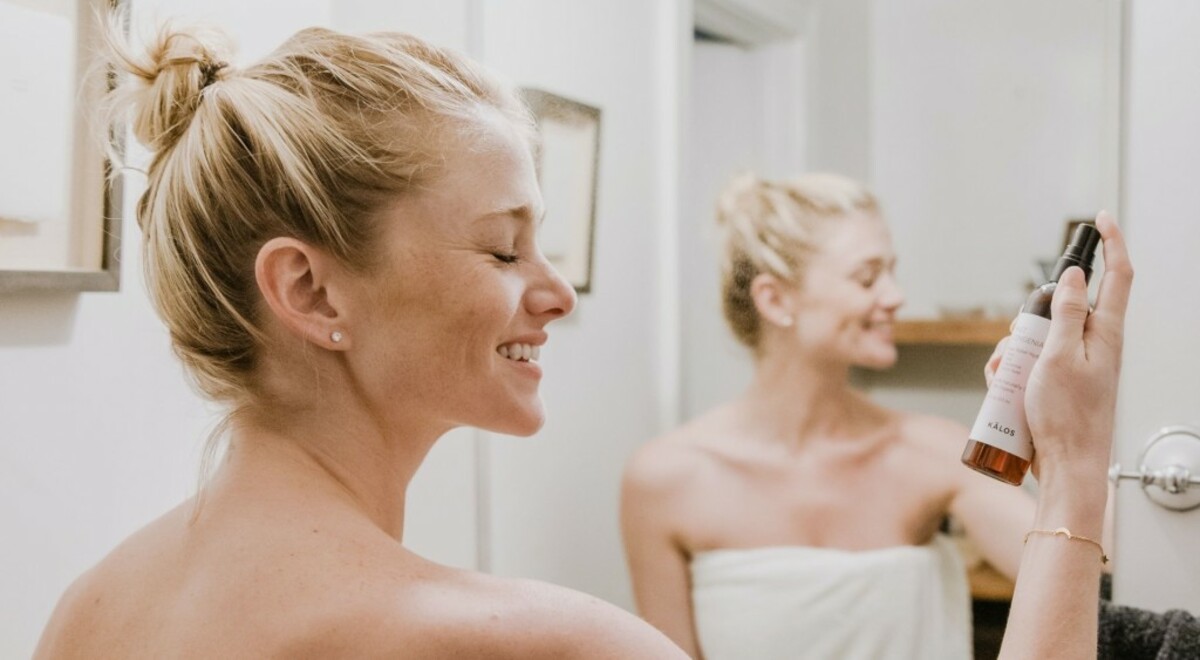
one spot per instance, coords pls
(336, 336)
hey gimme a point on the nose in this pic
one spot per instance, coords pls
(892, 296)
(551, 295)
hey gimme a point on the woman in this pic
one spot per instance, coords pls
(801, 519)
(341, 241)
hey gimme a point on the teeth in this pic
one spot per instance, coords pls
(520, 352)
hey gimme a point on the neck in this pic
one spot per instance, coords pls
(347, 459)
(795, 398)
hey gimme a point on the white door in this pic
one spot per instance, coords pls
(1158, 551)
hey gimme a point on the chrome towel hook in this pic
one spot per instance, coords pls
(1168, 468)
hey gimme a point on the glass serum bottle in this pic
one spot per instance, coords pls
(1000, 444)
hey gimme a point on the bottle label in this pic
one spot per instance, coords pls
(1001, 422)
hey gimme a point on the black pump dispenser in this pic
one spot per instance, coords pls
(1080, 252)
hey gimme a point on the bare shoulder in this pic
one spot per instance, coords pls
(73, 618)
(670, 464)
(939, 436)
(466, 614)
(343, 592)
(931, 445)
(87, 609)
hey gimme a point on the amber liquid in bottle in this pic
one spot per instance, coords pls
(1000, 445)
(995, 462)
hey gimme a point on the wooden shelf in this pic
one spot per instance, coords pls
(988, 584)
(951, 332)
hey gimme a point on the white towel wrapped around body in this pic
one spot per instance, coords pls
(902, 603)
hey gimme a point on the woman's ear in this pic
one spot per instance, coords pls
(297, 281)
(773, 299)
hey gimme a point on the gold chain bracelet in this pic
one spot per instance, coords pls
(1066, 533)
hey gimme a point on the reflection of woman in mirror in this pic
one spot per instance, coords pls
(801, 519)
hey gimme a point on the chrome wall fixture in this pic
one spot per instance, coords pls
(1168, 468)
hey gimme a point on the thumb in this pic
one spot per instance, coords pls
(1068, 310)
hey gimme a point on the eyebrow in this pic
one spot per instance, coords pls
(524, 213)
(876, 262)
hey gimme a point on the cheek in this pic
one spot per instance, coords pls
(846, 307)
(483, 316)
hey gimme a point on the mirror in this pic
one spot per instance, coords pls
(985, 129)
(989, 127)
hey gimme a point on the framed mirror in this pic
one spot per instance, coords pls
(60, 211)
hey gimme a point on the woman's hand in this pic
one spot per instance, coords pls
(1069, 402)
(1070, 399)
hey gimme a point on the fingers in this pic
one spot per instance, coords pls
(1113, 297)
(1069, 310)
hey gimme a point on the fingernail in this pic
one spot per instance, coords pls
(1073, 277)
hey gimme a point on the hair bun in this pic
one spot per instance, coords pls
(741, 191)
(167, 79)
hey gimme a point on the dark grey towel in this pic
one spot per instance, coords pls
(1129, 633)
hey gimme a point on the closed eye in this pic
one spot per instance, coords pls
(507, 257)
(867, 278)
(870, 274)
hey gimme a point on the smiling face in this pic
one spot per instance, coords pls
(846, 306)
(451, 322)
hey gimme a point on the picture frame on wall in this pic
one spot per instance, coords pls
(568, 164)
(60, 210)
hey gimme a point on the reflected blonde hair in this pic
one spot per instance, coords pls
(308, 143)
(771, 227)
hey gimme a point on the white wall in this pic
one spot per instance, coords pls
(1158, 551)
(553, 498)
(745, 112)
(987, 134)
(982, 127)
(447, 23)
(839, 87)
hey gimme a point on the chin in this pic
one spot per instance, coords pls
(522, 421)
(878, 362)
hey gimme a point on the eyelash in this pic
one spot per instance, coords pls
(869, 281)
(507, 258)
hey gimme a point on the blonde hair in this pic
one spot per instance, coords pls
(308, 143)
(771, 227)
